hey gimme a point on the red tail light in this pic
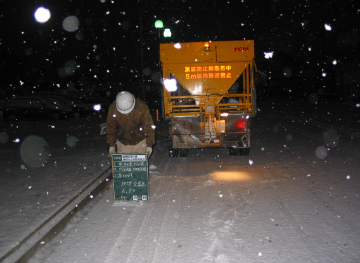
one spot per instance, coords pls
(241, 124)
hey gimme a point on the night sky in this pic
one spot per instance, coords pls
(107, 46)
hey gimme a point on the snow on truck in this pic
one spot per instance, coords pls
(209, 95)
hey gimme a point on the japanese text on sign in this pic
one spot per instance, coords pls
(130, 158)
(208, 72)
(130, 173)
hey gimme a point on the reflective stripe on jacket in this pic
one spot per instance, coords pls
(132, 128)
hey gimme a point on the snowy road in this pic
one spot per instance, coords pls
(280, 204)
(285, 202)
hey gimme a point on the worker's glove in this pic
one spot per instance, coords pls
(112, 150)
(148, 151)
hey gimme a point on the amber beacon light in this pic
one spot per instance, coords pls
(206, 46)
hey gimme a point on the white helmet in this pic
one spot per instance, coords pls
(125, 102)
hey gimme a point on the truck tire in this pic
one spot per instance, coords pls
(173, 152)
(184, 152)
(233, 151)
(244, 151)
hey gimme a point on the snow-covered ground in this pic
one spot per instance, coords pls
(295, 198)
(31, 194)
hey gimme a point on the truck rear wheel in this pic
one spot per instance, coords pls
(184, 152)
(239, 151)
(178, 152)
(244, 151)
(173, 152)
(233, 151)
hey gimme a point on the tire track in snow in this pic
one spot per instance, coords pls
(156, 225)
(162, 224)
(167, 238)
(138, 218)
(221, 224)
(167, 234)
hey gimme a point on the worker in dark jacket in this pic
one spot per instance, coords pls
(129, 126)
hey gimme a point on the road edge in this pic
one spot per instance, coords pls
(50, 228)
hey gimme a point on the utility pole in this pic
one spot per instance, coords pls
(142, 57)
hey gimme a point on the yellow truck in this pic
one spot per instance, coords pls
(208, 95)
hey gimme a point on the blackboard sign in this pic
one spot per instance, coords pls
(130, 176)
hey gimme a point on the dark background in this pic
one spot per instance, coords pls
(106, 49)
